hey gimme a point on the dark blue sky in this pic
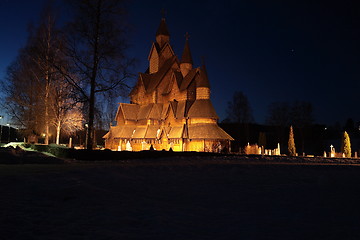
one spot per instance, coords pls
(270, 50)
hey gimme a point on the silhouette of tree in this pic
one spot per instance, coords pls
(278, 114)
(239, 110)
(262, 139)
(96, 48)
(349, 125)
(32, 80)
(299, 114)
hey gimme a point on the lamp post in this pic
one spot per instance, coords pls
(86, 138)
(9, 132)
(1, 117)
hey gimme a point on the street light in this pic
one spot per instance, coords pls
(9, 132)
(86, 138)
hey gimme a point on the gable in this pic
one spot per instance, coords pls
(166, 52)
(188, 79)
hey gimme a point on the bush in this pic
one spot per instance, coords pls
(54, 149)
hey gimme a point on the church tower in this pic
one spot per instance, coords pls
(162, 34)
(186, 59)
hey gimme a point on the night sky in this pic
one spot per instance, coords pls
(270, 50)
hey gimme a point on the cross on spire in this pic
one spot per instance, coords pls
(187, 36)
(163, 13)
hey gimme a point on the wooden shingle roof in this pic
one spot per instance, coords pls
(144, 111)
(186, 56)
(162, 30)
(155, 112)
(130, 111)
(152, 131)
(202, 79)
(176, 132)
(187, 79)
(139, 132)
(202, 108)
(154, 79)
(207, 131)
(120, 132)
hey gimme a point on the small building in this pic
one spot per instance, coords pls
(170, 106)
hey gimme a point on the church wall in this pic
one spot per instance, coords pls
(185, 68)
(162, 87)
(120, 120)
(195, 145)
(165, 54)
(182, 96)
(176, 145)
(202, 93)
(139, 95)
(174, 94)
(201, 120)
(154, 62)
(191, 92)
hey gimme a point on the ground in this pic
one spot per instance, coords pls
(183, 199)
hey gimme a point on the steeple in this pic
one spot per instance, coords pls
(202, 84)
(186, 59)
(186, 56)
(162, 34)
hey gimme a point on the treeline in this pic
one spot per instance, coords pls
(68, 74)
(309, 137)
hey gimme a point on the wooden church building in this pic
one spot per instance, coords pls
(170, 106)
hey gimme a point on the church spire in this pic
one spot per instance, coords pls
(186, 59)
(162, 34)
(186, 56)
(163, 30)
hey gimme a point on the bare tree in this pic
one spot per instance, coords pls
(239, 110)
(37, 95)
(96, 49)
(278, 114)
(21, 89)
(298, 113)
(44, 49)
(67, 114)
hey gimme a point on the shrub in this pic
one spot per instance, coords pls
(291, 143)
(346, 145)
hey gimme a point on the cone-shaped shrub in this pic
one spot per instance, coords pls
(291, 143)
(346, 145)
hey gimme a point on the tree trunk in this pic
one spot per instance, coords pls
(58, 128)
(47, 110)
(90, 130)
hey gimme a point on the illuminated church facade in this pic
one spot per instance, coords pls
(170, 106)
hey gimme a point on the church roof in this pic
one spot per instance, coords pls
(151, 81)
(178, 78)
(186, 56)
(144, 111)
(176, 132)
(155, 112)
(202, 108)
(139, 132)
(207, 131)
(162, 30)
(202, 78)
(124, 131)
(152, 131)
(187, 79)
(130, 111)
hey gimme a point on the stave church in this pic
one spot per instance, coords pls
(170, 106)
